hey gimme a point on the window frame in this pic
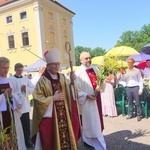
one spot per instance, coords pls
(64, 21)
(21, 16)
(51, 19)
(8, 20)
(11, 42)
(25, 40)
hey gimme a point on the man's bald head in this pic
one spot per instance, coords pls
(83, 55)
(85, 59)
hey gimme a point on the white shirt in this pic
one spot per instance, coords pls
(146, 72)
(133, 78)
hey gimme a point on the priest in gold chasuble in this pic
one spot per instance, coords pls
(52, 127)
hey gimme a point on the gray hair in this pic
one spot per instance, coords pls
(4, 60)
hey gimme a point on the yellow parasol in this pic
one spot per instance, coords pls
(122, 63)
(99, 60)
(74, 69)
(121, 51)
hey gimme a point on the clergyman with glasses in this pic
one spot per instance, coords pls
(52, 127)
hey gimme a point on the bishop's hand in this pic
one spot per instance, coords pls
(58, 96)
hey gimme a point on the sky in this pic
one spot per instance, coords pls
(100, 23)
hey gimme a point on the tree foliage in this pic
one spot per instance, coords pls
(135, 39)
(93, 52)
(98, 51)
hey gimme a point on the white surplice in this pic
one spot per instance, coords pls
(91, 126)
(17, 105)
(16, 84)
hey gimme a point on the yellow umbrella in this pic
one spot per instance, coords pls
(121, 51)
(122, 63)
(74, 68)
(99, 60)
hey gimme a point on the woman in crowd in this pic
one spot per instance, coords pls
(108, 98)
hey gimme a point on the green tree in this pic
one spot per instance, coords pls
(135, 39)
(94, 52)
(98, 51)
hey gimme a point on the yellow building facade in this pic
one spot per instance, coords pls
(30, 27)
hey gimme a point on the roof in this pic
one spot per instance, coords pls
(5, 2)
(62, 6)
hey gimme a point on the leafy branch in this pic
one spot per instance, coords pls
(8, 141)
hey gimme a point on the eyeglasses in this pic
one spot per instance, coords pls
(55, 64)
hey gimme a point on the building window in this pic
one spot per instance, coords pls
(64, 21)
(52, 38)
(11, 41)
(25, 39)
(50, 16)
(23, 15)
(9, 19)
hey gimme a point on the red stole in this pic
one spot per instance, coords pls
(93, 79)
(5, 114)
(75, 118)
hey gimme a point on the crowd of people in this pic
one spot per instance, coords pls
(65, 109)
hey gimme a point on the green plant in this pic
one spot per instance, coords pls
(109, 65)
(147, 83)
(8, 141)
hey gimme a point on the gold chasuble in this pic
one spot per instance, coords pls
(55, 130)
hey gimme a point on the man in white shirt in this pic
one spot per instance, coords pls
(134, 87)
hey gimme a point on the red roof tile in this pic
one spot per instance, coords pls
(2, 2)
